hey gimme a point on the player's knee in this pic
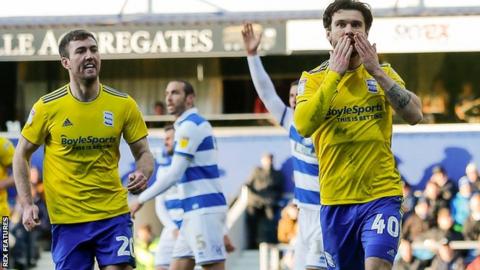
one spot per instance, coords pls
(373, 263)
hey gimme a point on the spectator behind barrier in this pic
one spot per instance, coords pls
(473, 176)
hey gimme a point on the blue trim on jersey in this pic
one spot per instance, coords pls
(307, 196)
(206, 144)
(203, 201)
(190, 156)
(293, 134)
(283, 116)
(304, 167)
(173, 204)
(178, 223)
(200, 173)
(195, 118)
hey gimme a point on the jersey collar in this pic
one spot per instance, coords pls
(184, 115)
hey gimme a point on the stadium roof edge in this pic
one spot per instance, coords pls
(209, 18)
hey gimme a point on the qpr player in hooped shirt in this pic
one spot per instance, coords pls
(195, 163)
(309, 244)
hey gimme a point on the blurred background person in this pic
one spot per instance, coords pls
(159, 108)
(446, 185)
(435, 103)
(439, 239)
(145, 246)
(466, 101)
(472, 175)
(287, 233)
(265, 191)
(460, 204)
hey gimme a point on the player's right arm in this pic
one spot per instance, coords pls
(313, 99)
(21, 172)
(162, 212)
(262, 82)
(34, 132)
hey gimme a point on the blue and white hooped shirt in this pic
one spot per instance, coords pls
(200, 189)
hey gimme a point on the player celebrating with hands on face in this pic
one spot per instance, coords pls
(309, 245)
(80, 125)
(346, 105)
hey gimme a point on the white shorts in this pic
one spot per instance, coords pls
(201, 238)
(309, 251)
(164, 252)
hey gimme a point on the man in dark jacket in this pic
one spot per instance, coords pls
(265, 191)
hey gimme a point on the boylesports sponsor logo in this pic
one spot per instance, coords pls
(86, 140)
(354, 110)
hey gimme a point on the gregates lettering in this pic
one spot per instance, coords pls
(356, 113)
(88, 143)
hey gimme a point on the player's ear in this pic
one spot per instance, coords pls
(190, 100)
(329, 35)
(65, 62)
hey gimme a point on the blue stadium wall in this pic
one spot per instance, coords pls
(416, 153)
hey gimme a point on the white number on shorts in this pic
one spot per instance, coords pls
(393, 226)
(378, 224)
(127, 245)
(200, 242)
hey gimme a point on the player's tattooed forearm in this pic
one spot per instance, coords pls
(398, 97)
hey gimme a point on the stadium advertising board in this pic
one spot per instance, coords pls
(397, 35)
(137, 42)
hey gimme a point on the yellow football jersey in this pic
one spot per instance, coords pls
(353, 141)
(82, 152)
(6, 157)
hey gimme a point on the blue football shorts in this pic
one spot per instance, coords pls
(75, 246)
(354, 232)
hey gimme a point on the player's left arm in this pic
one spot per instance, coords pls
(403, 101)
(175, 171)
(144, 166)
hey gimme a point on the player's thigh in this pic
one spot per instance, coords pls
(164, 251)
(342, 237)
(372, 263)
(117, 267)
(309, 247)
(114, 242)
(182, 264)
(71, 247)
(214, 266)
(204, 233)
(182, 249)
(381, 229)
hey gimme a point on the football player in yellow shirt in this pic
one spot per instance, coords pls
(346, 106)
(81, 125)
(6, 179)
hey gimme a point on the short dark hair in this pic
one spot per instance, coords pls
(168, 127)
(159, 104)
(337, 5)
(187, 87)
(73, 35)
(294, 83)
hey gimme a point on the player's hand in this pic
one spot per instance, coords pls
(250, 40)
(30, 217)
(367, 53)
(340, 56)
(134, 208)
(137, 182)
(229, 247)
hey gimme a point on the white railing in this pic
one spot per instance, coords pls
(213, 117)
